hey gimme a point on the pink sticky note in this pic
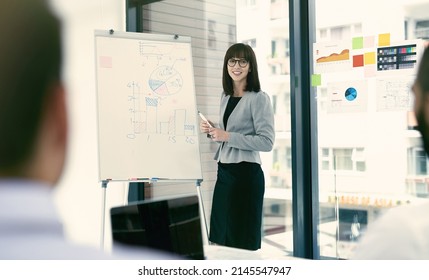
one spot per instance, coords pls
(105, 61)
(368, 42)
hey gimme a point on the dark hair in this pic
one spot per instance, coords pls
(30, 64)
(423, 72)
(242, 51)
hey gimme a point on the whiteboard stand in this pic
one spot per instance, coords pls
(148, 79)
(103, 212)
(203, 214)
(103, 209)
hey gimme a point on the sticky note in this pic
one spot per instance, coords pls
(358, 60)
(105, 61)
(384, 39)
(316, 80)
(369, 42)
(369, 58)
(357, 43)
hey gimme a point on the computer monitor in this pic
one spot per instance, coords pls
(167, 224)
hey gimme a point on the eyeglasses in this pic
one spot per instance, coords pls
(241, 62)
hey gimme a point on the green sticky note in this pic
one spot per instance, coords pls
(357, 43)
(316, 80)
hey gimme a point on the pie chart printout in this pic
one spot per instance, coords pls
(351, 94)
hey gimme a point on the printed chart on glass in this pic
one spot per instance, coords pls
(352, 71)
(146, 106)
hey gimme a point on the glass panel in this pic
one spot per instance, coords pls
(369, 151)
(343, 159)
(214, 26)
(421, 163)
(267, 22)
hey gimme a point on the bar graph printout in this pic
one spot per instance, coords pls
(146, 106)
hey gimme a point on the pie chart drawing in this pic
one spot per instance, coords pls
(165, 81)
(351, 94)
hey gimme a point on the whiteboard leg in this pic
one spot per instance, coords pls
(103, 213)
(202, 211)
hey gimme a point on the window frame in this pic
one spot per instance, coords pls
(303, 107)
(305, 193)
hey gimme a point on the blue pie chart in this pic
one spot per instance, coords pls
(351, 94)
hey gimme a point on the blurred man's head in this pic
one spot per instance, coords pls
(421, 100)
(33, 120)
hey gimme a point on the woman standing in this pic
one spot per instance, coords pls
(246, 128)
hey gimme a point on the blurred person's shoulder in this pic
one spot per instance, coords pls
(399, 233)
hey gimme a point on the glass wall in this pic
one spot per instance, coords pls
(370, 158)
(214, 26)
(364, 59)
(265, 26)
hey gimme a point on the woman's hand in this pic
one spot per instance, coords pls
(204, 126)
(218, 134)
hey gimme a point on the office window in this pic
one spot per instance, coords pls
(343, 159)
(273, 48)
(280, 48)
(357, 28)
(337, 33)
(287, 102)
(366, 153)
(274, 102)
(231, 33)
(323, 33)
(249, 3)
(287, 48)
(289, 158)
(422, 189)
(421, 163)
(422, 29)
(211, 27)
(417, 161)
(214, 26)
(348, 144)
(406, 34)
(276, 159)
(325, 157)
(322, 96)
(359, 159)
(250, 42)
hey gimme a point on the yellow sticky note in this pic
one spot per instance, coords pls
(316, 80)
(369, 58)
(384, 39)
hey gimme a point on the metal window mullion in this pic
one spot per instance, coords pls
(304, 136)
(134, 17)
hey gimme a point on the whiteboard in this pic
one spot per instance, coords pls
(146, 107)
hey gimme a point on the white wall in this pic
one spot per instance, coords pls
(79, 195)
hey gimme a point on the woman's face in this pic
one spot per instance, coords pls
(238, 68)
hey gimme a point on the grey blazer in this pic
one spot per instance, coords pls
(250, 127)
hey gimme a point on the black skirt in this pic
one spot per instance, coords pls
(236, 216)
